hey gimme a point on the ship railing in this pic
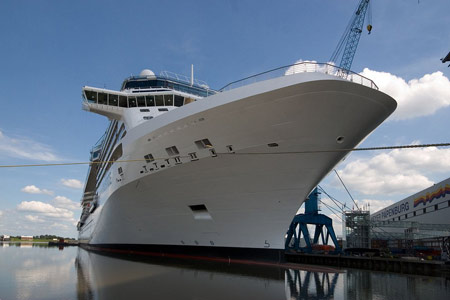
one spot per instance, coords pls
(303, 67)
(183, 79)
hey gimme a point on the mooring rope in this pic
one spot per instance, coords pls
(240, 153)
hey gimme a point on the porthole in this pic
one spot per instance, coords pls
(340, 139)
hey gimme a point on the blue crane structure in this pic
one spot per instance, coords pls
(351, 36)
(312, 217)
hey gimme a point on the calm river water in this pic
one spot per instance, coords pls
(33, 271)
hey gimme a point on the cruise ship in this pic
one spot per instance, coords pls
(187, 171)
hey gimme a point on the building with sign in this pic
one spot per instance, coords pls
(418, 224)
(430, 206)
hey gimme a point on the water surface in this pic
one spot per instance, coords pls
(30, 271)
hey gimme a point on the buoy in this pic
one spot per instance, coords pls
(369, 28)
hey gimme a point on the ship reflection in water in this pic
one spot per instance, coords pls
(106, 277)
(39, 272)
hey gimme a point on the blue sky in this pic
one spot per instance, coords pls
(50, 49)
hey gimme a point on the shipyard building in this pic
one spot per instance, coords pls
(420, 222)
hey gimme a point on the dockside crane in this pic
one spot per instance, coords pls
(350, 39)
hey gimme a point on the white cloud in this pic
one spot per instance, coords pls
(60, 226)
(34, 219)
(374, 205)
(25, 148)
(45, 209)
(66, 203)
(397, 171)
(32, 189)
(302, 66)
(415, 98)
(72, 183)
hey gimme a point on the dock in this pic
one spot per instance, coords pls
(403, 265)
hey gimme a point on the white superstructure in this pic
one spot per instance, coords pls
(183, 165)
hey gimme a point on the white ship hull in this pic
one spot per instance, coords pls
(251, 191)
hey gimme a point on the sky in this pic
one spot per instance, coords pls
(50, 49)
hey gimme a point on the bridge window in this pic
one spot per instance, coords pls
(102, 98)
(113, 100)
(178, 100)
(150, 100)
(159, 100)
(141, 101)
(123, 101)
(91, 96)
(168, 100)
(132, 102)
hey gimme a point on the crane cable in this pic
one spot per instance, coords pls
(346, 188)
(332, 209)
(369, 18)
(333, 200)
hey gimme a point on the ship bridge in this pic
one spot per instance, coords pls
(147, 95)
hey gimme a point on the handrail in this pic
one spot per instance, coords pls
(301, 67)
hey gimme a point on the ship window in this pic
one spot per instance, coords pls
(113, 99)
(177, 160)
(163, 109)
(193, 156)
(203, 144)
(168, 100)
(178, 100)
(159, 100)
(436, 207)
(141, 101)
(117, 153)
(200, 212)
(172, 151)
(145, 110)
(188, 100)
(91, 96)
(414, 214)
(149, 158)
(147, 117)
(123, 101)
(102, 98)
(272, 145)
(150, 100)
(424, 210)
(199, 207)
(131, 101)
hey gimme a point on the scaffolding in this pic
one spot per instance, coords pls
(357, 228)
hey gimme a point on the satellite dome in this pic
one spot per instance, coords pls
(147, 73)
